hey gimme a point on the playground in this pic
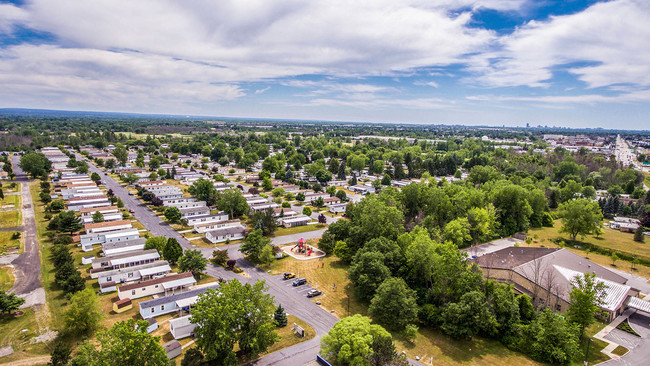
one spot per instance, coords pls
(303, 251)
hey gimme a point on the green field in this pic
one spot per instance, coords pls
(6, 278)
(10, 199)
(11, 218)
(8, 245)
(298, 229)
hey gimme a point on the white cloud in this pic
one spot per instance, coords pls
(630, 97)
(263, 90)
(10, 15)
(610, 36)
(432, 84)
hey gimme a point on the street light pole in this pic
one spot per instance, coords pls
(587, 355)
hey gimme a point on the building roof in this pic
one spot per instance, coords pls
(127, 257)
(172, 278)
(153, 270)
(123, 244)
(512, 257)
(227, 230)
(194, 209)
(171, 346)
(217, 222)
(81, 199)
(105, 208)
(173, 298)
(614, 294)
(107, 224)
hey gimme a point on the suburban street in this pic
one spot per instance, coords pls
(27, 266)
(294, 303)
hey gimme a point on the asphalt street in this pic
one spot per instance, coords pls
(27, 266)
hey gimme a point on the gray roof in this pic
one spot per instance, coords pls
(183, 295)
(123, 244)
(194, 209)
(227, 230)
(125, 255)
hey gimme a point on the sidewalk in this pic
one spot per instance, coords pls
(611, 346)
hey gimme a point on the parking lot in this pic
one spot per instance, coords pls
(302, 289)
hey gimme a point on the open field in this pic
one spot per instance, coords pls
(613, 240)
(6, 278)
(11, 199)
(11, 218)
(8, 245)
(12, 334)
(7, 187)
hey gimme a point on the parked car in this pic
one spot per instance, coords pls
(130, 193)
(299, 282)
(288, 275)
(132, 211)
(313, 293)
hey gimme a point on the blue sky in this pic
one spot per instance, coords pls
(478, 62)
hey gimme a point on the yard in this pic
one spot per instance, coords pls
(7, 187)
(12, 218)
(17, 332)
(11, 200)
(8, 245)
(298, 229)
(6, 278)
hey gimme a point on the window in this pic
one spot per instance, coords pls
(558, 307)
(109, 278)
(144, 288)
(162, 307)
(152, 310)
(156, 286)
(130, 274)
(133, 293)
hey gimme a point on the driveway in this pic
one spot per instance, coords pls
(639, 347)
(27, 266)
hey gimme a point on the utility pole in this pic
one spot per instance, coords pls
(587, 355)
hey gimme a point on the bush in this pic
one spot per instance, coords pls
(231, 263)
(15, 235)
(220, 257)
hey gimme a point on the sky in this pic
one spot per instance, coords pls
(570, 63)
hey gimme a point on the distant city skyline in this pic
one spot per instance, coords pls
(559, 63)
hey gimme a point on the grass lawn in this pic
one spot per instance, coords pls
(6, 278)
(11, 199)
(8, 245)
(611, 239)
(595, 356)
(7, 187)
(298, 229)
(12, 334)
(620, 351)
(11, 218)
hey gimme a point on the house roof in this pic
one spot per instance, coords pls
(81, 199)
(173, 298)
(105, 208)
(107, 224)
(194, 209)
(172, 278)
(217, 223)
(123, 244)
(171, 346)
(124, 258)
(227, 230)
(614, 293)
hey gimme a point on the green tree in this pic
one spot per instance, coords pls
(98, 217)
(306, 211)
(219, 257)
(204, 190)
(83, 315)
(35, 164)
(233, 202)
(267, 256)
(468, 317)
(482, 223)
(172, 251)
(95, 177)
(253, 245)
(156, 242)
(192, 261)
(394, 304)
(61, 352)
(173, 214)
(367, 272)
(193, 357)
(121, 154)
(280, 317)
(68, 222)
(550, 338)
(234, 314)
(126, 343)
(265, 220)
(585, 299)
(354, 340)
(9, 302)
(638, 235)
(458, 231)
(580, 217)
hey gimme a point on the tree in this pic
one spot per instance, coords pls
(253, 245)
(267, 255)
(267, 184)
(61, 352)
(204, 190)
(120, 154)
(156, 242)
(234, 314)
(193, 357)
(9, 302)
(68, 222)
(394, 304)
(233, 202)
(280, 317)
(468, 317)
(458, 231)
(173, 214)
(354, 341)
(341, 195)
(56, 206)
(322, 219)
(83, 315)
(265, 220)
(95, 177)
(98, 217)
(35, 164)
(192, 261)
(172, 250)
(585, 298)
(368, 272)
(219, 257)
(126, 343)
(44, 196)
(638, 235)
(306, 211)
(550, 338)
(614, 258)
(580, 217)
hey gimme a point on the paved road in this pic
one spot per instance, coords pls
(27, 266)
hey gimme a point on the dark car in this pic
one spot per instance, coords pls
(288, 275)
(313, 293)
(299, 281)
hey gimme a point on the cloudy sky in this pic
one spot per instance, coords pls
(574, 63)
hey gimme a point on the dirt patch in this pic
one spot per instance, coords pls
(44, 337)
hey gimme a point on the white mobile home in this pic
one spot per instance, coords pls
(170, 201)
(169, 304)
(124, 260)
(292, 221)
(108, 280)
(194, 211)
(226, 233)
(181, 327)
(123, 246)
(102, 227)
(88, 240)
(167, 285)
(195, 220)
(202, 228)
